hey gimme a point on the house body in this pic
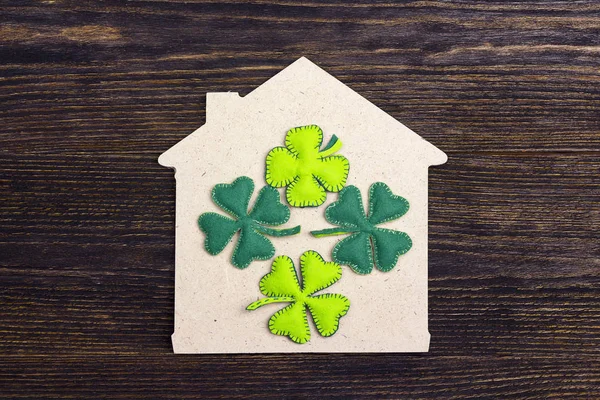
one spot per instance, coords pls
(388, 310)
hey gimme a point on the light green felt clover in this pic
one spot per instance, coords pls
(252, 244)
(367, 244)
(305, 169)
(282, 285)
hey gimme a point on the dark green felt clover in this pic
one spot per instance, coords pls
(253, 226)
(367, 244)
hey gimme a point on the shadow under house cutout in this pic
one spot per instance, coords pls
(301, 223)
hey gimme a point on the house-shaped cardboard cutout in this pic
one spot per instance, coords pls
(388, 311)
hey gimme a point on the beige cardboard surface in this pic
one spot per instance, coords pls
(388, 311)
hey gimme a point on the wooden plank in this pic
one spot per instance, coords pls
(79, 77)
(300, 376)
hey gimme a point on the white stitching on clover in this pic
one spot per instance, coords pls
(237, 245)
(265, 189)
(333, 205)
(225, 185)
(355, 267)
(394, 196)
(206, 233)
(396, 256)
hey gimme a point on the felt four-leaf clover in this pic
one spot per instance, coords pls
(282, 285)
(367, 244)
(306, 169)
(252, 244)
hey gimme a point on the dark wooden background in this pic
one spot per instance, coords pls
(92, 92)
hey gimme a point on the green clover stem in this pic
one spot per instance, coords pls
(277, 232)
(269, 300)
(333, 231)
(333, 146)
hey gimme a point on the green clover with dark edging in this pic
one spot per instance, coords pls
(307, 170)
(367, 244)
(252, 244)
(282, 285)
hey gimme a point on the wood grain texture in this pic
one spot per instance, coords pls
(91, 93)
